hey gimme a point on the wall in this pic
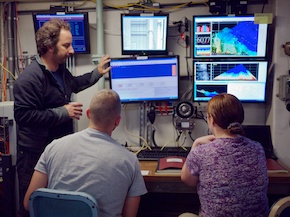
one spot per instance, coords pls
(279, 116)
(273, 112)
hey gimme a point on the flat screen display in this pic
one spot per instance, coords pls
(79, 28)
(142, 79)
(244, 79)
(228, 37)
(144, 34)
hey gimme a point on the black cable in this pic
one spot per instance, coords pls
(173, 117)
(178, 137)
(190, 135)
(151, 114)
(263, 8)
(186, 26)
(153, 138)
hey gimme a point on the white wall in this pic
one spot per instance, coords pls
(273, 112)
(280, 117)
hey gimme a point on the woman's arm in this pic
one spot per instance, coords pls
(187, 178)
(202, 140)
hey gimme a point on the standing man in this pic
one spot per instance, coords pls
(92, 161)
(42, 108)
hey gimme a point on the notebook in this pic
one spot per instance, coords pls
(261, 134)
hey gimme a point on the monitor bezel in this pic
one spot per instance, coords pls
(144, 52)
(230, 61)
(85, 23)
(148, 100)
(264, 56)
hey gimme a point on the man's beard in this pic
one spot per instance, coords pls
(55, 50)
(60, 60)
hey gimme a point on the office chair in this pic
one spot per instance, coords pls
(46, 202)
(188, 214)
(280, 208)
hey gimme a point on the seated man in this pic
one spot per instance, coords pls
(92, 161)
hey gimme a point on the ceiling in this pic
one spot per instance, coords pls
(123, 1)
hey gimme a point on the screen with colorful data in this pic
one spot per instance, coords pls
(244, 79)
(228, 37)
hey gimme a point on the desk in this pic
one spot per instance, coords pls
(279, 183)
(168, 196)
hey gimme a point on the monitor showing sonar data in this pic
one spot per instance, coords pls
(244, 79)
(228, 37)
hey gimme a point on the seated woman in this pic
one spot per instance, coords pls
(228, 169)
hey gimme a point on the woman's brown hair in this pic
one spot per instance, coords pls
(227, 112)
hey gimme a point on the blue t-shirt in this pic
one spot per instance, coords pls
(58, 75)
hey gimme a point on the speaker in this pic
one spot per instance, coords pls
(238, 6)
(184, 109)
(218, 6)
(184, 112)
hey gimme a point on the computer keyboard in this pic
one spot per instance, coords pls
(157, 153)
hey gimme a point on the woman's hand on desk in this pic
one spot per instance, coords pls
(202, 140)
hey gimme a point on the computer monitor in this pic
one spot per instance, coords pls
(261, 134)
(228, 37)
(144, 34)
(143, 79)
(79, 27)
(244, 79)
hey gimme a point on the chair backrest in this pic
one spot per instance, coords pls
(280, 208)
(57, 203)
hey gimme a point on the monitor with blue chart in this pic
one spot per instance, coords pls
(229, 37)
(143, 79)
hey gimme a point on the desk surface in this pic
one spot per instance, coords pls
(279, 183)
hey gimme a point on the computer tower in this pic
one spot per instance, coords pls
(9, 189)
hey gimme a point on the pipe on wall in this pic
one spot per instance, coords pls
(11, 47)
(100, 39)
(1, 49)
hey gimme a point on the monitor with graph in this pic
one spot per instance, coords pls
(244, 79)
